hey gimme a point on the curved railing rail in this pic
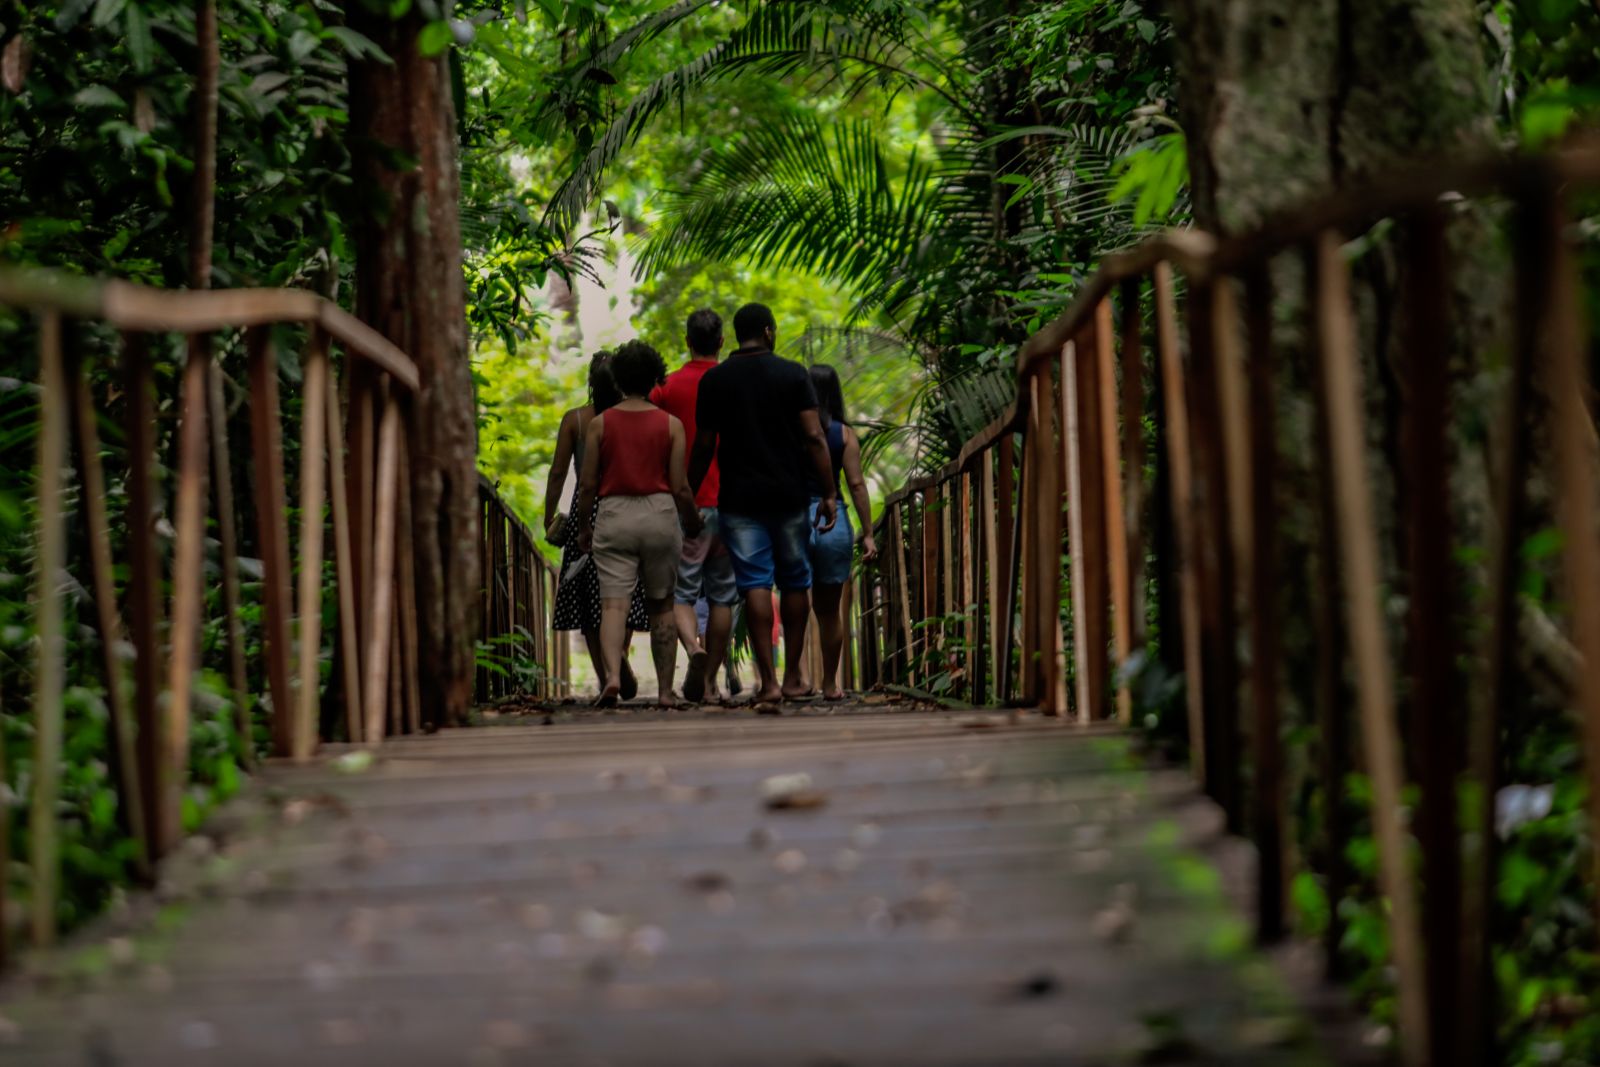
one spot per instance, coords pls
(353, 485)
(522, 654)
(1021, 566)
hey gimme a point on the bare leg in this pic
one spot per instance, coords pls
(795, 607)
(663, 648)
(825, 601)
(597, 655)
(613, 640)
(758, 620)
(688, 627)
(719, 628)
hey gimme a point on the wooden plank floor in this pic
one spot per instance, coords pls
(612, 890)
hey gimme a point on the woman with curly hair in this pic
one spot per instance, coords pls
(578, 589)
(633, 465)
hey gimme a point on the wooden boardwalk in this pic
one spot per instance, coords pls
(615, 890)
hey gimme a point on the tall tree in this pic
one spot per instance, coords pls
(409, 286)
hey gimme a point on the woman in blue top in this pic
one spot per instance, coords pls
(831, 549)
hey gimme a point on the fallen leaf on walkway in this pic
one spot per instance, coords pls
(790, 861)
(799, 800)
(357, 762)
(780, 784)
(707, 882)
(1036, 987)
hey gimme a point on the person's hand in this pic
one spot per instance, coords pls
(586, 539)
(869, 547)
(693, 525)
(827, 514)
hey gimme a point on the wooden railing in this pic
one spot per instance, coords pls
(980, 556)
(352, 462)
(522, 654)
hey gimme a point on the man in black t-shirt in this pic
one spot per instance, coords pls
(757, 414)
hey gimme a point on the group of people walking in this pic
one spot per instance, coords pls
(715, 483)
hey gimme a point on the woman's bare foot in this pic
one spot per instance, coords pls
(835, 696)
(669, 699)
(798, 692)
(767, 696)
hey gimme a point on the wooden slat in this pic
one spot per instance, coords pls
(1536, 227)
(49, 676)
(1027, 558)
(266, 434)
(968, 595)
(1333, 749)
(1431, 623)
(1214, 562)
(994, 595)
(1013, 559)
(1133, 455)
(1076, 517)
(405, 557)
(187, 568)
(1052, 660)
(361, 424)
(144, 601)
(1096, 566)
(1270, 800)
(1341, 375)
(1116, 519)
(1176, 418)
(375, 693)
(344, 569)
(125, 763)
(228, 560)
(313, 459)
(1564, 354)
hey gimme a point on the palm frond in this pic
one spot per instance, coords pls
(779, 39)
(829, 200)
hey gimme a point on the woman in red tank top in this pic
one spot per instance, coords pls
(633, 461)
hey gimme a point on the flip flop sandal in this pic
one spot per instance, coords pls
(630, 685)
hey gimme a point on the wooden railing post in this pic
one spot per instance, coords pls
(187, 561)
(1266, 726)
(1176, 430)
(1341, 376)
(1133, 453)
(124, 762)
(159, 788)
(1116, 532)
(49, 672)
(344, 568)
(314, 433)
(375, 693)
(266, 436)
(228, 552)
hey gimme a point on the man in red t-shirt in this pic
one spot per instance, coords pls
(705, 568)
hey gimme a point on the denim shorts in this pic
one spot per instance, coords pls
(705, 569)
(769, 550)
(831, 552)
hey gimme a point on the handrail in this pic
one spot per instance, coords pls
(354, 484)
(519, 590)
(971, 593)
(142, 308)
(1200, 255)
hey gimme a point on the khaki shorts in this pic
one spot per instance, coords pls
(637, 539)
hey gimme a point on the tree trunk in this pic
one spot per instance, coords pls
(409, 286)
(1284, 99)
